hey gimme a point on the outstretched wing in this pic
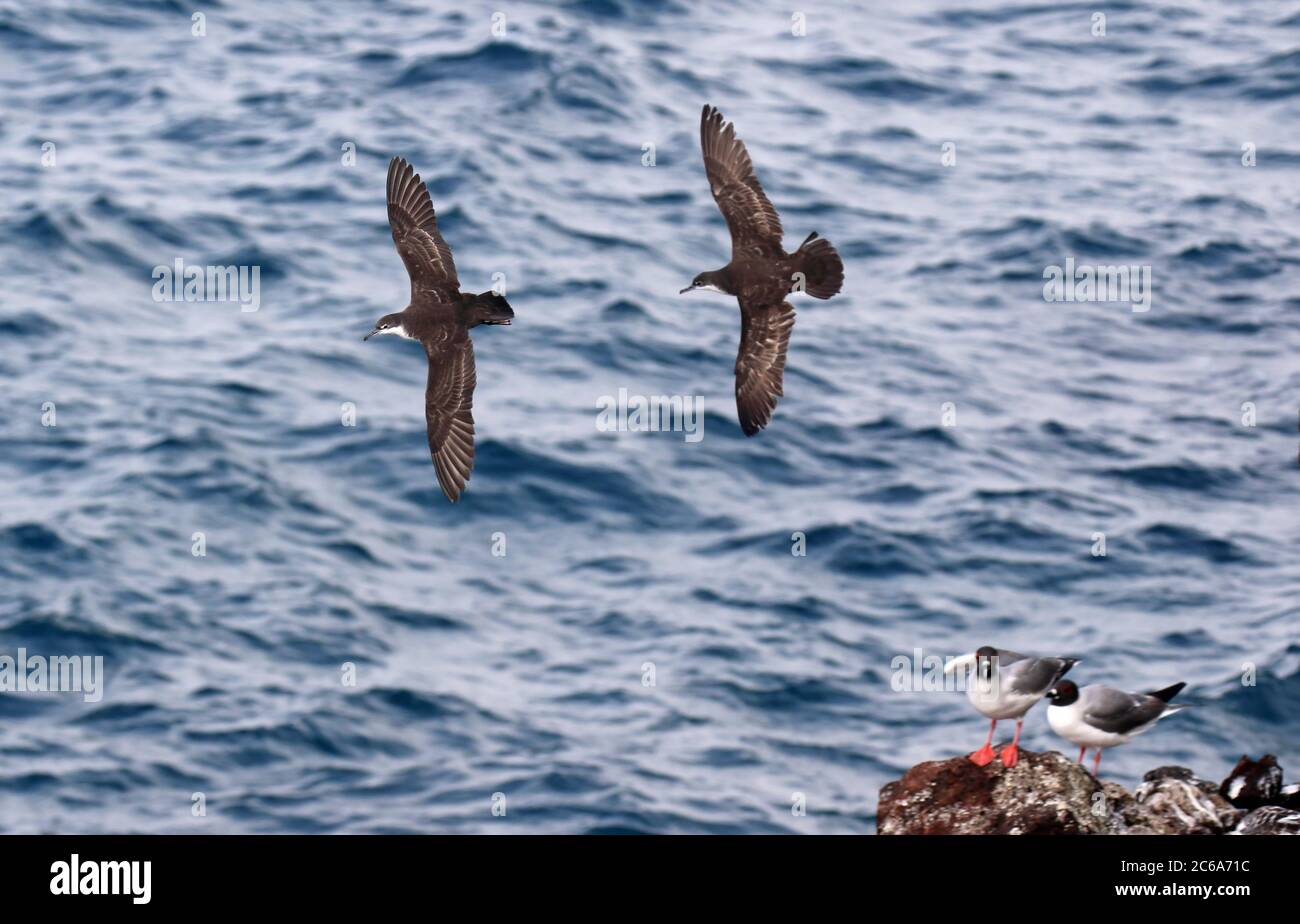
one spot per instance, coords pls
(760, 362)
(449, 412)
(754, 224)
(415, 232)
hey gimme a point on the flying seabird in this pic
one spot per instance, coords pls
(1005, 685)
(761, 274)
(440, 317)
(1103, 717)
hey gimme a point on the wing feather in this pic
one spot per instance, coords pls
(1119, 712)
(760, 362)
(449, 412)
(1032, 675)
(415, 232)
(755, 227)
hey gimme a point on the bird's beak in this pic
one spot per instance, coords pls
(955, 663)
(685, 290)
(369, 335)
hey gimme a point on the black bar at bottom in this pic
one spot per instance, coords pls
(215, 873)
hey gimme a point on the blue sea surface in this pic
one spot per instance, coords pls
(949, 443)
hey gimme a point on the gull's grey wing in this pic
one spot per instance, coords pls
(760, 362)
(1034, 675)
(449, 411)
(1118, 712)
(415, 232)
(755, 227)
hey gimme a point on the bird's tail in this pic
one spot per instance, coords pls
(490, 308)
(1167, 693)
(823, 271)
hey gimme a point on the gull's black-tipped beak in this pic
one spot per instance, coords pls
(369, 335)
(685, 290)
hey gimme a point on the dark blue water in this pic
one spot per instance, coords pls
(478, 674)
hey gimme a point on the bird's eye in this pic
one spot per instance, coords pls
(697, 283)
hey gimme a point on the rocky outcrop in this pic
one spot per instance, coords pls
(1047, 793)
(1041, 794)
(1253, 783)
(1173, 801)
(1256, 785)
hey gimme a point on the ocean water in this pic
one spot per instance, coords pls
(949, 444)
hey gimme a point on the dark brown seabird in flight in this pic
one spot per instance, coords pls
(761, 274)
(440, 317)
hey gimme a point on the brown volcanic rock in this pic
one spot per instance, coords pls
(1047, 794)
(1042, 794)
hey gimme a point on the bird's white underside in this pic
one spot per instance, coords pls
(995, 702)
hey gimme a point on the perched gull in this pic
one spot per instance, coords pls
(761, 274)
(440, 317)
(1005, 685)
(1102, 717)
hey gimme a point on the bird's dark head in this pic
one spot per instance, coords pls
(1063, 694)
(711, 280)
(388, 324)
(986, 659)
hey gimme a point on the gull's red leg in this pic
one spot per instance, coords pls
(1010, 753)
(984, 755)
